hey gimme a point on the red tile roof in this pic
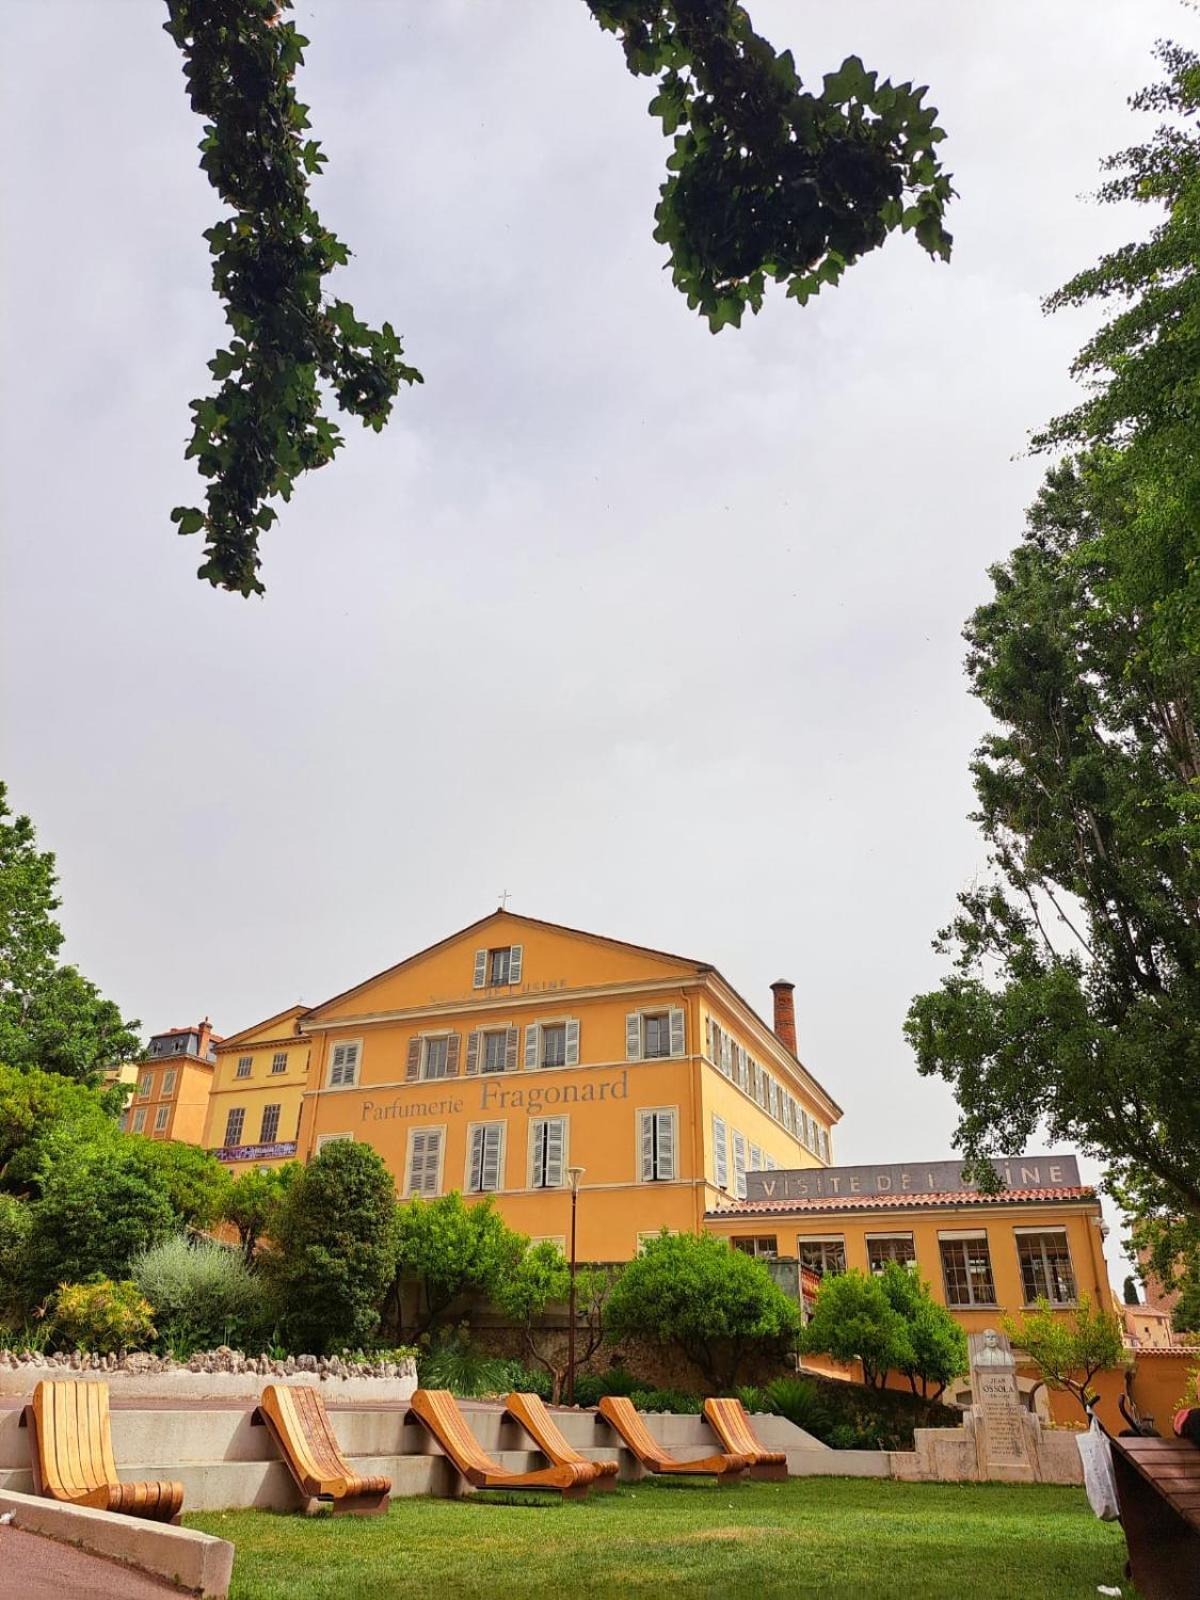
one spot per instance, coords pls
(899, 1202)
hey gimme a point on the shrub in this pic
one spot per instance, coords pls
(16, 1226)
(802, 1403)
(203, 1295)
(716, 1305)
(526, 1380)
(456, 1364)
(99, 1209)
(335, 1255)
(102, 1315)
(667, 1400)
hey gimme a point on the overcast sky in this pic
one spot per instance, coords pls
(658, 631)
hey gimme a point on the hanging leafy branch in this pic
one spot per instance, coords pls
(265, 423)
(765, 180)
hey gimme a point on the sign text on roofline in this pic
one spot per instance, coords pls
(925, 1177)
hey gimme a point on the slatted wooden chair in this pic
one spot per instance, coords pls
(530, 1411)
(438, 1411)
(298, 1422)
(1158, 1491)
(728, 1420)
(621, 1414)
(71, 1445)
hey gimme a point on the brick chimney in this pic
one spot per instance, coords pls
(204, 1034)
(785, 1013)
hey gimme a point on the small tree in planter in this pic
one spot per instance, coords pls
(540, 1279)
(713, 1304)
(853, 1319)
(937, 1342)
(1069, 1352)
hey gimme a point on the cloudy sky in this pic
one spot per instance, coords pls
(658, 631)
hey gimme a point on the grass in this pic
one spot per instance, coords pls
(832, 1537)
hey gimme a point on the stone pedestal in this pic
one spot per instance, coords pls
(1005, 1434)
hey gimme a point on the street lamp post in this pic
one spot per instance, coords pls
(574, 1174)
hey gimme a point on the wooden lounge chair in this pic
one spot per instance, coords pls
(621, 1414)
(438, 1411)
(1158, 1491)
(300, 1426)
(530, 1411)
(728, 1420)
(71, 1446)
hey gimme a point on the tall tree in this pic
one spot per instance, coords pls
(1075, 994)
(50, 1016)
(766, 181)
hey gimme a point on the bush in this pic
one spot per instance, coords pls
(591, 1387)
(526, 1380)
(802, 1403)
(456, 1364)
(99, 1209)
(667, 1400)
(102, 1315)
(203, 1295)
(16, 1226)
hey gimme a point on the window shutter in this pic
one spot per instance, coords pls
(452, 1046)
(739, 1165)
(473, 1039)
(412, 1070)
(476, 1174)
(726, 1056)
(664, 1124)
(554, 1131)
(572, 1042)
(633, 1036)
(647, 1147)
(515, 960)
(480, 969)
(677, 1030)
(510, 1049)
(423, 1162)
(531, 1046)
(490, 1165)
(720, 1154)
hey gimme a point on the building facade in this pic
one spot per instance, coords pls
(171, 1085)
(257, 1093)
(503, 1057)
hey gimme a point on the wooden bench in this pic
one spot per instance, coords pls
(621, 1414)
(298, 1422)
(1158, 1491)
(71, 1446)
(729, 1421)
(530, 1411)
(438, 1411)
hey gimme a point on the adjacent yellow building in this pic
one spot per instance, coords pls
(171, 1085)
(254, 1104)
(515, 1050)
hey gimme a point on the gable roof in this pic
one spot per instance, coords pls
(518, 921)
(289, 1015)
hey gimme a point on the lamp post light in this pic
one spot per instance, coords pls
(574, 1174)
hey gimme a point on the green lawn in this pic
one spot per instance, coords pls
(810, 1536)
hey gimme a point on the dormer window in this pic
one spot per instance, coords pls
(499, 968)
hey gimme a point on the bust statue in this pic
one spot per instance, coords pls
(989, 1352)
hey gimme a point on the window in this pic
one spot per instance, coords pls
(269, 1131)
(343, 1065)
(654, 1035)
(161, 1117)
(497, 969)
(1046, 1267)
(279, 1061)
(885, 1247)
(742, 1064)
(547, 1152)
(156, 1047)
(437, 1053)
(756, 1160)
(643, 1239)
(824, 1143)
(144, 1085)
(179, 1046)
(168, 1084)
(244, 1065)
(657, 1145)
(139, 1120)
(967, 1269)
(822, 1256)
(332, 1138)
(720, 1154)
(424, 1166)
(769, 1163)
(772, 1097)
(552, 1044)
(764, 1245)
(495, 1051)
(739, 1165)
(234, 1124)
(486, 1160)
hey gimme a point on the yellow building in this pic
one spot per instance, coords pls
(257, 1092)
(171, 1086)
(515, 1050)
